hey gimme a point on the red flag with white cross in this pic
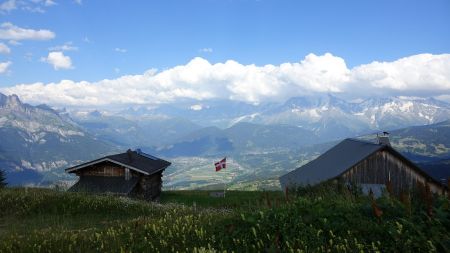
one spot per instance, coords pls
(222, 164)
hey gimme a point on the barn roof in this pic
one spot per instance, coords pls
(336, 161)
(98, 184)
(134, 160)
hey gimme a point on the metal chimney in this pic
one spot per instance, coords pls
(383, 139)
(129, 153)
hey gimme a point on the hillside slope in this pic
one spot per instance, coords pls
(37, 142)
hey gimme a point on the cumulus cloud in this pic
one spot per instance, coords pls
(4, 49)
(4, 67)
(423, 74)
(58, 60)
(8, 31)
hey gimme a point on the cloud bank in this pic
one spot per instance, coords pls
(417, 75)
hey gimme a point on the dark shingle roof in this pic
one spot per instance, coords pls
(98, 184)
(337, 160)
(147, 163)
(331, 164)
(135, 160)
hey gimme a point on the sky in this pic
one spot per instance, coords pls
(123, 52)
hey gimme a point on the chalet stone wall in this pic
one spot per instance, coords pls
(377, 169)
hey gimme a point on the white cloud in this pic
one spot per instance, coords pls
(419, 75)
(58, 60)
(197, 107)
(120, 50)
(423, 74)
(4, 67)
(8, 31)
(8, 6)
(4, 49)
(68, 46)
(79, 2)
(206, 50)
(28, 5)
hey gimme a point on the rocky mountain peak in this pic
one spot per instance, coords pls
(11, 101)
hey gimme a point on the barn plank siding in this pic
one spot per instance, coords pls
(382, 167)
(148, 187)
(103, 170)
(364, 163)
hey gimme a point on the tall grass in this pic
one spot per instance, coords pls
(320, 221)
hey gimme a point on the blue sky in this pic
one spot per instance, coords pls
(110, 39)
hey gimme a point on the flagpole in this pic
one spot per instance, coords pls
(219, 166)
(224, 188)
(224, 184)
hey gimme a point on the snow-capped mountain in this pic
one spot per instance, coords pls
(331, 117)
(403, 111)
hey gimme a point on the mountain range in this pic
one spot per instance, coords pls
(327, 116)
(37, 141)
(262, 141)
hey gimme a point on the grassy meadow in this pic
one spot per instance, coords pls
(327, 220)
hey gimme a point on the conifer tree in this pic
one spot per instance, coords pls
(2, 179)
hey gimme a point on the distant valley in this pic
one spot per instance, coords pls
(262, 141)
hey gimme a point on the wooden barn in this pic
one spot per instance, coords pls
(369, 165)
(132, 173)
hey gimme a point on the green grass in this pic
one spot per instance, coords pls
(233, 199)
(40, 220)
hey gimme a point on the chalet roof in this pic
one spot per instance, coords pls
(337, 160)
(98, 184)
(134, 160)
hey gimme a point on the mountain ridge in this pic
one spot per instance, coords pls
(37, 141)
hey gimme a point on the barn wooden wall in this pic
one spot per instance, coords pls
(150, 186)
(103, 169)
(377, 168)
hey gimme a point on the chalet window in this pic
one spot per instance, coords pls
(127, 174)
